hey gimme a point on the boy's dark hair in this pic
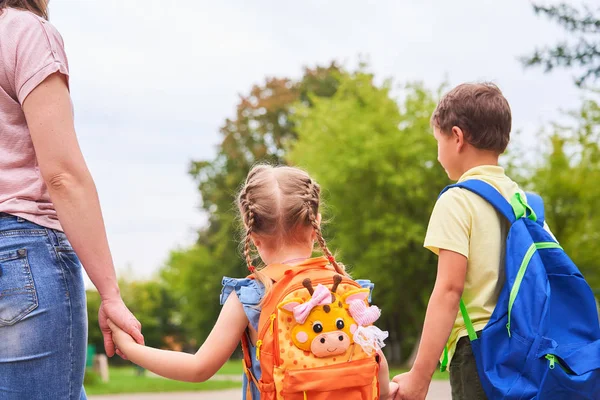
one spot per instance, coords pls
(480, 110)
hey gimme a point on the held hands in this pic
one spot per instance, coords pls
(119, 314)
(393, 391)
(411, 386)
(121, 339)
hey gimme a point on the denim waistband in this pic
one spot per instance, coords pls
(14, 226)
(11, 222)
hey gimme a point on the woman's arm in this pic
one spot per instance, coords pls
(72, 190)
(216, 350)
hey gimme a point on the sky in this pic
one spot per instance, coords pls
(153, 81)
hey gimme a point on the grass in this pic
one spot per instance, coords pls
(125, 380)
(232, 367)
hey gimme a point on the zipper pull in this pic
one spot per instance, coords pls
(552, 359)
(258, 345)
(508, 328)
(273, 316)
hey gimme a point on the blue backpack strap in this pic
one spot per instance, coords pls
(536, 202)
(487, 192)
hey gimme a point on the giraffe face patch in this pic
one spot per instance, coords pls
(323, 324)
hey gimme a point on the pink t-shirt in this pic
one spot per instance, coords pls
(31, 49)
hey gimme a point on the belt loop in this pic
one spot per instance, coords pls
(53, 237)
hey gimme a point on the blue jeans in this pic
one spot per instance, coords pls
(43, 317)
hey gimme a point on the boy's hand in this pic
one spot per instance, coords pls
(121, 338)
(411, 386)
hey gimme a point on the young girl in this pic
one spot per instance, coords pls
(280, 210)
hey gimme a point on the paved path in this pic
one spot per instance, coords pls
(440, 390)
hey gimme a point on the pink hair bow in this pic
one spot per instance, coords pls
(320, 297)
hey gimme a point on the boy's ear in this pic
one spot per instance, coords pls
(458, 135)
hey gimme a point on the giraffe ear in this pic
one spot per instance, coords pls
(358, 294)
(289, 305)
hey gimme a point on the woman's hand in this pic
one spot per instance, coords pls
(122, 318)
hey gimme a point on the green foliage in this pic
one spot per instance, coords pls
(155, 307)
(195, 275)
(566, 177)
(151, 303)
(584, 23)
(377, 163)
(94, 334)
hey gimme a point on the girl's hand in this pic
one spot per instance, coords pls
(393, 390)
(121, 339)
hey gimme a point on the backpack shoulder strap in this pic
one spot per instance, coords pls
(489, 193)
(247, 365)
(536, 202)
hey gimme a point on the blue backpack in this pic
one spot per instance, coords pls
(543, 338)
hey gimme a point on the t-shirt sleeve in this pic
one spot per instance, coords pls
(39, 52)
(450, 224)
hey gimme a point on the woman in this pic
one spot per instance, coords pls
(50, 218)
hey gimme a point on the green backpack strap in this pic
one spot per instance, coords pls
(470, 331)
(469, 325)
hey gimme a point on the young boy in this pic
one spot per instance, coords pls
(472, 126)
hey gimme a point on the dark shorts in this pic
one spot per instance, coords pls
(464, 379)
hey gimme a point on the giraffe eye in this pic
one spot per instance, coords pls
(317, 327)
(340, 323)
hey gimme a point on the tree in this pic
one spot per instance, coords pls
(258, 133)
(377, 164)
(195, 276)
(566, 177)
(585, 52)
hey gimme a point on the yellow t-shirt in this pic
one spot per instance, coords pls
(467, 224)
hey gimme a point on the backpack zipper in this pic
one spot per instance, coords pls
(259, 342)
(521, 274)
(553, 360)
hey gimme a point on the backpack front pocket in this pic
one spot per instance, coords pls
(560, 382)
(348, 381)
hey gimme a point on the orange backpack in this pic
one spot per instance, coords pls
(306, 332)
